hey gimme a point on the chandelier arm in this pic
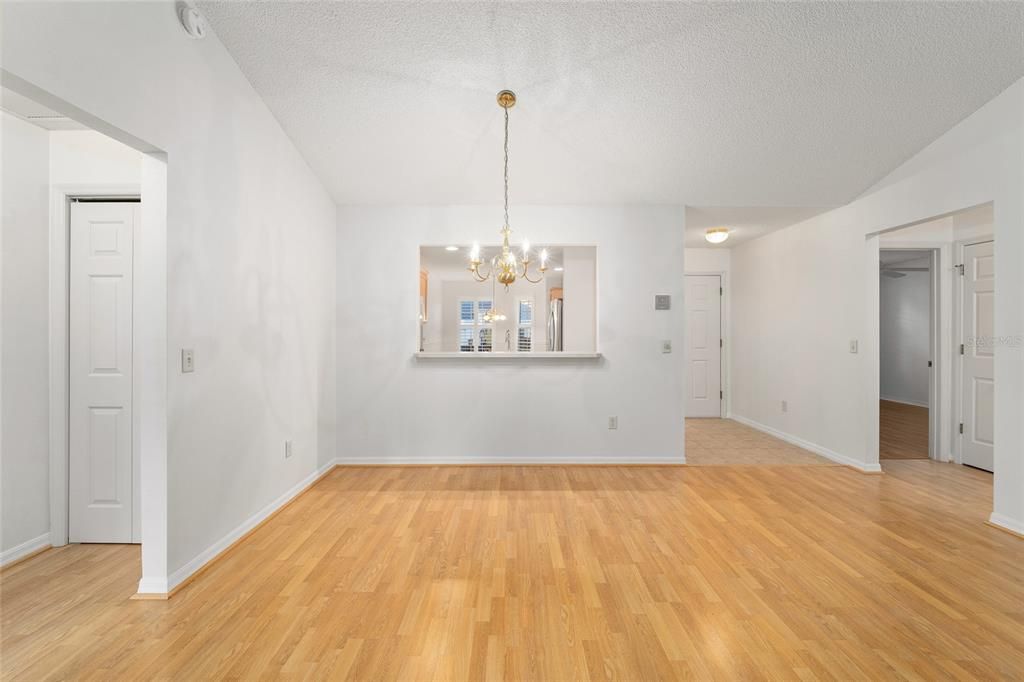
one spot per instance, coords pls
(479, 277)
(534, 281)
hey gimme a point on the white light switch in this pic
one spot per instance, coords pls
(188, 360)
(613, 423)
(853, 346)
(666, 346)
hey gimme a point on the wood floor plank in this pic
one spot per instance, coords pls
(902, 431)
(541, 573)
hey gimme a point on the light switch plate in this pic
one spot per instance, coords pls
(853, 346)
(188, 360)
(662, 302)
(613, 423)
(666, 346)
(287, 449)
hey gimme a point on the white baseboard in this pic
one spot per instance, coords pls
(1006, 522)
(524, 460)
(903, 402)
(156, 586)
(812, 447)
(24, 549)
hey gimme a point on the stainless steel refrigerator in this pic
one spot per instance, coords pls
(555, 324)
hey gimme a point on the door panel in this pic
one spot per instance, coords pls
(703, 346)
(100, 363)
(978, 360)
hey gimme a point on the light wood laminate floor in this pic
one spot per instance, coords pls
(902, 431)
(724, 442)
(559, 573)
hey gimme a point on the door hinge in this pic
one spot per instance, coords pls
(721, 395)
(960, 269)
(721, 343)
(961, 427)
(929, 363)
(961, 349)
(721, 291)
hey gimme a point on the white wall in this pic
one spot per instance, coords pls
(802, 293)
(24, 442)
(393, 407)
(87, 157)
(706, 261)
(250, 246)
(905, 305)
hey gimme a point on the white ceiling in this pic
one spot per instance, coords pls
(902, 259)
(745, 223)
(710, 104)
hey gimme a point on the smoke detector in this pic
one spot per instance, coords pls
(192, 21)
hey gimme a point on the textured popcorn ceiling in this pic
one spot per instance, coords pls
(769, 104)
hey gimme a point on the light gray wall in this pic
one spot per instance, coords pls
(24, 443)
(801, 294)
(905, 305)
(250, 254)
(394, 407)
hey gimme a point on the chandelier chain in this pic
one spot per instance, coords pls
(506, 167)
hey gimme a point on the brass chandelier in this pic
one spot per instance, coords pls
(505, 268)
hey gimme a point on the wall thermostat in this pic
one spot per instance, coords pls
(662, 302)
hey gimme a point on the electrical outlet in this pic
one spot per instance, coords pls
(666, 346)
(613, 423)
(287, 449)
(188, 360)
(785, 406)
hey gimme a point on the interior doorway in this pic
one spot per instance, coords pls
(103, 462)
(907, 351)
(703, 302)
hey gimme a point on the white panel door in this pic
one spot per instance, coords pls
(703, 346)
(978, 366)
(100, 364)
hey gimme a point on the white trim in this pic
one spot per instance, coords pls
(24, 549)
(494, 355)
(1006, 522)
(58, 302)
(152, 586)
(866, 467)
(497, 460)
(915, 403)
(939, 405)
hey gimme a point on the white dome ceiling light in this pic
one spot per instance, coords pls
(716, 235)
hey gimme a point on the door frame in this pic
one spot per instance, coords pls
(936, 355)
(724, 367)
(958, 338)
(61, 197)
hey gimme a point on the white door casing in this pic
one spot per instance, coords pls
(100, 476)
(703, 345)
(977, 366)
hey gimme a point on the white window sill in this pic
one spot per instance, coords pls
(545, 355)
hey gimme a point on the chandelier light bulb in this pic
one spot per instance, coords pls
(716, 235)
(526, 248)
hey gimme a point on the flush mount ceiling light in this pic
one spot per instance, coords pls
(451, 248)
(716, 235)
(505, 267)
